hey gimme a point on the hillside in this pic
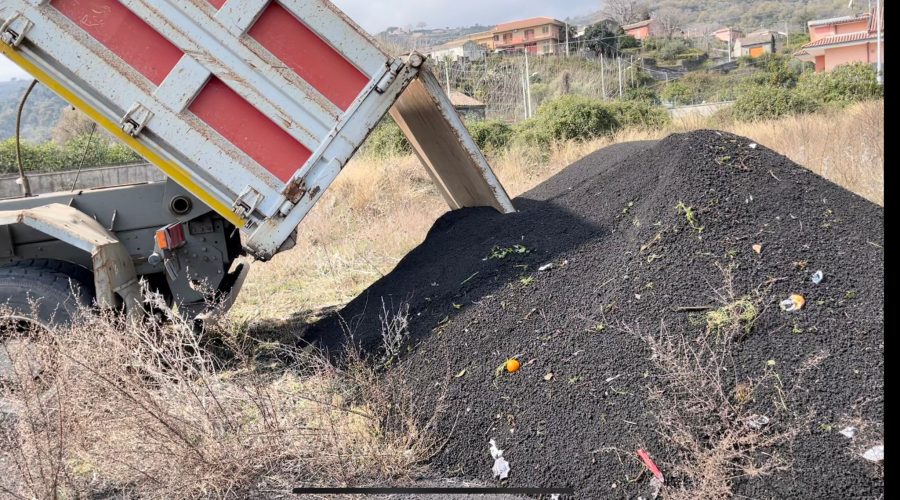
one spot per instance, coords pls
(750, 14)
(423, 38)
(41, 112)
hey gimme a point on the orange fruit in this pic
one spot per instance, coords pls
(513, 365)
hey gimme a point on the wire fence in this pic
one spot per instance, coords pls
(513, 86)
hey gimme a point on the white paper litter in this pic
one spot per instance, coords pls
(875, 454)
(848, 432)
(501, 466)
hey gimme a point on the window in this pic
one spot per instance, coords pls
(496, 38)
(545, 30)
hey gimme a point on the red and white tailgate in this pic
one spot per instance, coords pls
(252, 105)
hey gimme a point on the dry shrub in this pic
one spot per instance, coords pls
(149, 410)
(710, 421)
(721, 428)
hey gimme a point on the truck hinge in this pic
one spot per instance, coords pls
(135, 119)
(13, 30)
(394, 69)
(247, 202)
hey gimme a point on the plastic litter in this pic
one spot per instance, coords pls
(793, 303)
(645, 457)
(758, 421)
(875, 454)
(818, 277)
(848, 432)
(757, 248)
(753, 145)
(501, 466)
(546, 267)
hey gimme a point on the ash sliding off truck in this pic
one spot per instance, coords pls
(250, 107)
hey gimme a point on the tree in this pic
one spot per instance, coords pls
(626, 11)
(71, 124)
(604, 37)
(669, 21)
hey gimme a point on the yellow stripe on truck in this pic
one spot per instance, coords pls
(171, 169)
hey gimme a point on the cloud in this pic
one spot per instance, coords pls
(376, 16)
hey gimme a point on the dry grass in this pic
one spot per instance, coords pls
(151, 411)
(380, 209)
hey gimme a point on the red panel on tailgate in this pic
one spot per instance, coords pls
(309, 56)
(125, 34)
(250, 130)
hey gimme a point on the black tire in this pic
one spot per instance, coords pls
(47, 292)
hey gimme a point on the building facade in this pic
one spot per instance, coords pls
(641, 30)
(538, 36)
(755, 45)
(844, 40)
(459, 50)
(728, 34)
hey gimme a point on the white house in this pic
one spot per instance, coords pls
(460, 49)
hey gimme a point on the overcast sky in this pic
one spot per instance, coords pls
(376, 15)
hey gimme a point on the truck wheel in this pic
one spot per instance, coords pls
(35, 295)
(44, 291)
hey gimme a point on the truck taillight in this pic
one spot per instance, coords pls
(170, 237)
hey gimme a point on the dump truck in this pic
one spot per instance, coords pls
(250, 107)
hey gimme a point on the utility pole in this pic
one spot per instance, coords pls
(567, 39)
(730, 35)
(787, 35)
(633, 70)
(447, 75)
(602, 75)
(879, 25)
(621, 90)
(528, 83)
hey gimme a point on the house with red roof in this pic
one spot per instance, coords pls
(538, 35)
(843, 40)
(642, 30)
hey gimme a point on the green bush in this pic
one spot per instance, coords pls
(52, 157)
(570, 118)
(764, 102)
(677, 93)
(778, 71)
(387, 140)
(843, 85)
(671, 49)
(490, 135)
(646, 94)
(639, 114)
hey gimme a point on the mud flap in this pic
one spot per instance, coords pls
(443, 144)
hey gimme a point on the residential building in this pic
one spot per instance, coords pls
(728, 34)
(539, 35)
(843, 40)
(484, 38)
(642, 30)
(460, 49)
(755, 44)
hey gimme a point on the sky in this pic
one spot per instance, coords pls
(375, 16)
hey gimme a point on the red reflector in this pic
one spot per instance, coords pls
(170, 237)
